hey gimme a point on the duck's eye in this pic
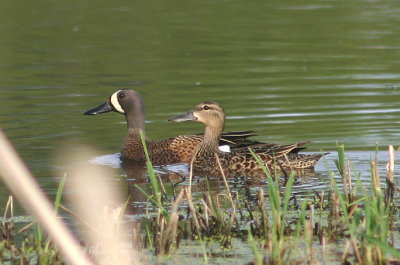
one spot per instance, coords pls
(206, 107)
(121, 95)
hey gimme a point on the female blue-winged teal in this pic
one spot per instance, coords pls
(167, 151)
(239, 162)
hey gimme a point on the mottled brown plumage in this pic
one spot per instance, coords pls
(167, 151)
(296, 161)
(240, 161)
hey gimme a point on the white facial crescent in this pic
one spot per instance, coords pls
(115, 103)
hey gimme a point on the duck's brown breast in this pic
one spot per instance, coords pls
(167, 151)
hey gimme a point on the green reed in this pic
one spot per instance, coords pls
(156, 198)
(366, 215)
(254, 248)
(279, 211)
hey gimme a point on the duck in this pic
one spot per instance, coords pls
(161, 152)
(239, 162)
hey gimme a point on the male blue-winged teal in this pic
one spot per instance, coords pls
(167, 151)
(239, 162)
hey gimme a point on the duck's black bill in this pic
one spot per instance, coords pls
(103, 108)
(183, 117)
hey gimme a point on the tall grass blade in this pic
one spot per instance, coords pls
(341, 200)
(213, 204)
(340, 162)
(150, 170)
(286, 198)
(383, 246)
(253, 246)
(59, 193)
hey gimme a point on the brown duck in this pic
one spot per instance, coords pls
(167, 151)
(239, 161)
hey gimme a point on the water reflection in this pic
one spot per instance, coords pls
(177, 175)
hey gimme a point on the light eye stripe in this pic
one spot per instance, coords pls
(115, 103)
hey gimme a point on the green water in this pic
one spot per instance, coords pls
(325, 71)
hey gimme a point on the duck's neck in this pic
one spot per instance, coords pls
(135, 122)
(212, 136)
(136, 132)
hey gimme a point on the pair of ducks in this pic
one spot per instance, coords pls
(202, 151)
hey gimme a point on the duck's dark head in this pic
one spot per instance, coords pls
(127, 102)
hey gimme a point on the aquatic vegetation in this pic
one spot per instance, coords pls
(353, 223)
(356, 219)
(26, 246)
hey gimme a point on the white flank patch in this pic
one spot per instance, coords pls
(225, 148)
(115, 103)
